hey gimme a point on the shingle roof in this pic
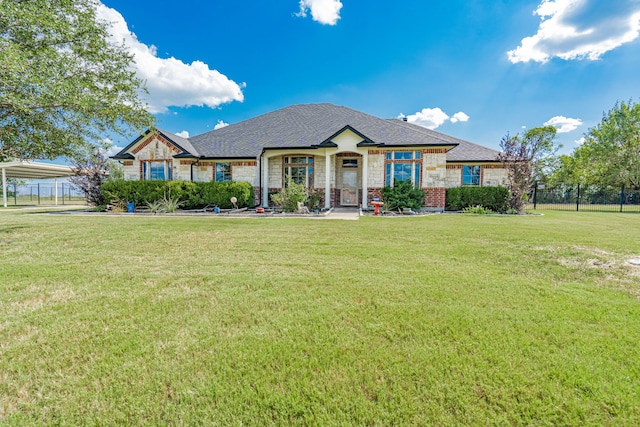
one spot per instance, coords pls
(464, 151)
(309, 125)
(469, 152)
(181, 142)
(303, 126)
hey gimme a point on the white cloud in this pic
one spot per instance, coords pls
(220, 124)
(113, 150)
(184, 134)
(433, 118)
(170, 81)
(459, 117)
(579, 29)
(580, 141)
(563, 124)
(326, 12)
(110, 149)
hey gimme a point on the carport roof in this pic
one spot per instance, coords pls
(35, 170)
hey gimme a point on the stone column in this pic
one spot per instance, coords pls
(365, 179)
(327, 180)
(265, 180)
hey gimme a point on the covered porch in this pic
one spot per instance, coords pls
(342, 175)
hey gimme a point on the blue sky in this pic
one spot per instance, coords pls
(472, 69)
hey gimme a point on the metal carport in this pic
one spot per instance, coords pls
(32, 170)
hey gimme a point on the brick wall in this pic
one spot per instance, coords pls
(435, 198)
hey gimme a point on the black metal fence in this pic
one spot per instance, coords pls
(584, 198)
(43, 194)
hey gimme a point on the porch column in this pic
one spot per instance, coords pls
(265, 180)
(55, 185)
(4, 187)
(327, 180)
(365, 179)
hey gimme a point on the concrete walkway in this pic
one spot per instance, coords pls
(350, 214)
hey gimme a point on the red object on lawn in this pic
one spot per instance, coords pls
(376, 207)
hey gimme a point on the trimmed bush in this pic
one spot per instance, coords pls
(493, 198)
(402, 195)
(220, 194)
(192, 195)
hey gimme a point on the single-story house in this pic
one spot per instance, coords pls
(347, 155)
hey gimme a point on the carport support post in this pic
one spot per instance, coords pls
(4, 187)
(55, 184)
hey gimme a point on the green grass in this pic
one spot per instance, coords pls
(439, 320)
(44, 200)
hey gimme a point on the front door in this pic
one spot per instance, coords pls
(349, 190)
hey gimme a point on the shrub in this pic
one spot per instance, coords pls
(168, 204)
(493, 198)
(220, 194)
(477, 210)
(402, 195)
(289, 196)
(193, 195)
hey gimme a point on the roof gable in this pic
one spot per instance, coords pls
(182, 147)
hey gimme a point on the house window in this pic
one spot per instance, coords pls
(471, 175)
(223, 172)
(299, 169)
(403, 166)
(157, 170)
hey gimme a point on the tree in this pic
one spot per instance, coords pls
(527, 158)
(91, 171)
(62, 83)
(610, 155)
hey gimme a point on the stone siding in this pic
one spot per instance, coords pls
(493, 176)
(434, 172)
(453, 177)
(245, 172)
(375, 171)
(275, 172)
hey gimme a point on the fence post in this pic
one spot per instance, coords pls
(38, 193)
(15, 194)
(621, 197)
(535, 195)
(578, 199)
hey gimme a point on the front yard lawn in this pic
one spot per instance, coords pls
(442, 320)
